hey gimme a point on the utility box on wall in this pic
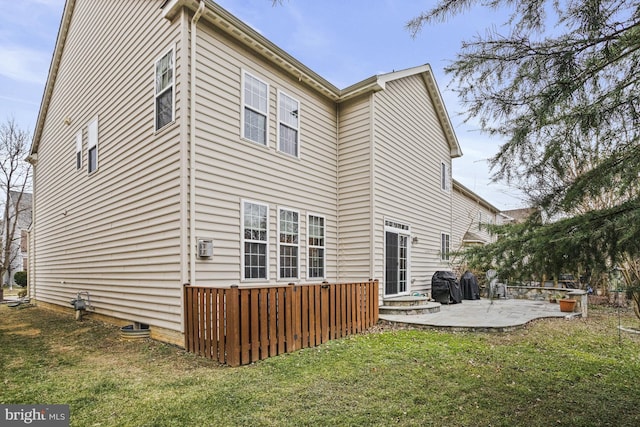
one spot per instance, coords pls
(205, 248)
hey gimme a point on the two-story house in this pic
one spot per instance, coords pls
(175, 144)
(15, 226)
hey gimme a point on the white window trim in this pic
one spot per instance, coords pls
(297, 129)
(243, 240)
(172, 85)
(445, 256)
(401, 228)
(324, 258)
(445, 181)
(79, 149)
(245, 73)
(297, 277)
(93, 132)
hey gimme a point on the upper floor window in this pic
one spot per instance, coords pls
(288, 242)
(445, 179)
(288, 124)
(164, 77)
(79, 150)
(92, 145)
(316, 248)
(255, 236)
(255, 109)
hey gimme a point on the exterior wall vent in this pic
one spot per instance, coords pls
(205, 248)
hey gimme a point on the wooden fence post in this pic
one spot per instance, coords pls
(232, 335)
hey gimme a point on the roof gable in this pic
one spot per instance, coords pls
(220, 18)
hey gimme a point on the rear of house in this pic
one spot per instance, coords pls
(190, 149)
(471, 214)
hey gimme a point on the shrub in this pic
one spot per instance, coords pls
(20, 278)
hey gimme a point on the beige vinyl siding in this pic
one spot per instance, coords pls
(231, 169)
(354, 189)
(114, 233)
(465, 215)
(409, 148)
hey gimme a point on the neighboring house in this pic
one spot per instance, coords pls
(518, 216)
(471, 214)
(176, 145)
(19, 213)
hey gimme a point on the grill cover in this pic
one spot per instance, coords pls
(469, 286)
(445, 288)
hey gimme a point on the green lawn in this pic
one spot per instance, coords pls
(553, 373)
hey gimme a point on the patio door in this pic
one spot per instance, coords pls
(396, 263)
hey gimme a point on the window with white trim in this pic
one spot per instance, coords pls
(79, 150)
(288, 124)
(255, 238)
(288, 244)
(255, 96)
(164, 89)
(445, 246)
(316, 246)
(92, 145)
(445, 179)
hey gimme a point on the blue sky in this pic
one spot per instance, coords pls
(344, 41)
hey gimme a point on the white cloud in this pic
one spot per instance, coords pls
(24, 64)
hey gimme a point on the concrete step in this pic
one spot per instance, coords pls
(412, 310)
(405, 301)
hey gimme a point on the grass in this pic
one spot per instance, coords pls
(553, 373)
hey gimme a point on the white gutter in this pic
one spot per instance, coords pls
(192, 146)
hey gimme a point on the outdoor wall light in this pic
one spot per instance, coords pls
(414, 240)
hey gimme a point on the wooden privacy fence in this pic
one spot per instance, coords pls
(239, 326)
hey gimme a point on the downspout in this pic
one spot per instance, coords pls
(372, 184)
(339, 277)
(192, 146)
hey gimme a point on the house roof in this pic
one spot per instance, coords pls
(51, 77)
(467, 192)
(378, 82)
(249, 37)
(470, 237)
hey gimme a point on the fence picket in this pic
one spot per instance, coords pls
(239, 326)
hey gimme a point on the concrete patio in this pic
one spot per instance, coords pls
(497, 315)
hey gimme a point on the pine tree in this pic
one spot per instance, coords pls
(561, 86)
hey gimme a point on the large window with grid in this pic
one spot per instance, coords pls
(255, 95)
(316, 246)
(288, 124)
(288, 244)
(255, 238)
(164, 78)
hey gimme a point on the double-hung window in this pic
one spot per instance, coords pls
(316, 246)
(164, 77)
(288, 124)
(288, 243)
(445, 246)
(255, 109)
(92, 145)
(79, 150)
(255, 238)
